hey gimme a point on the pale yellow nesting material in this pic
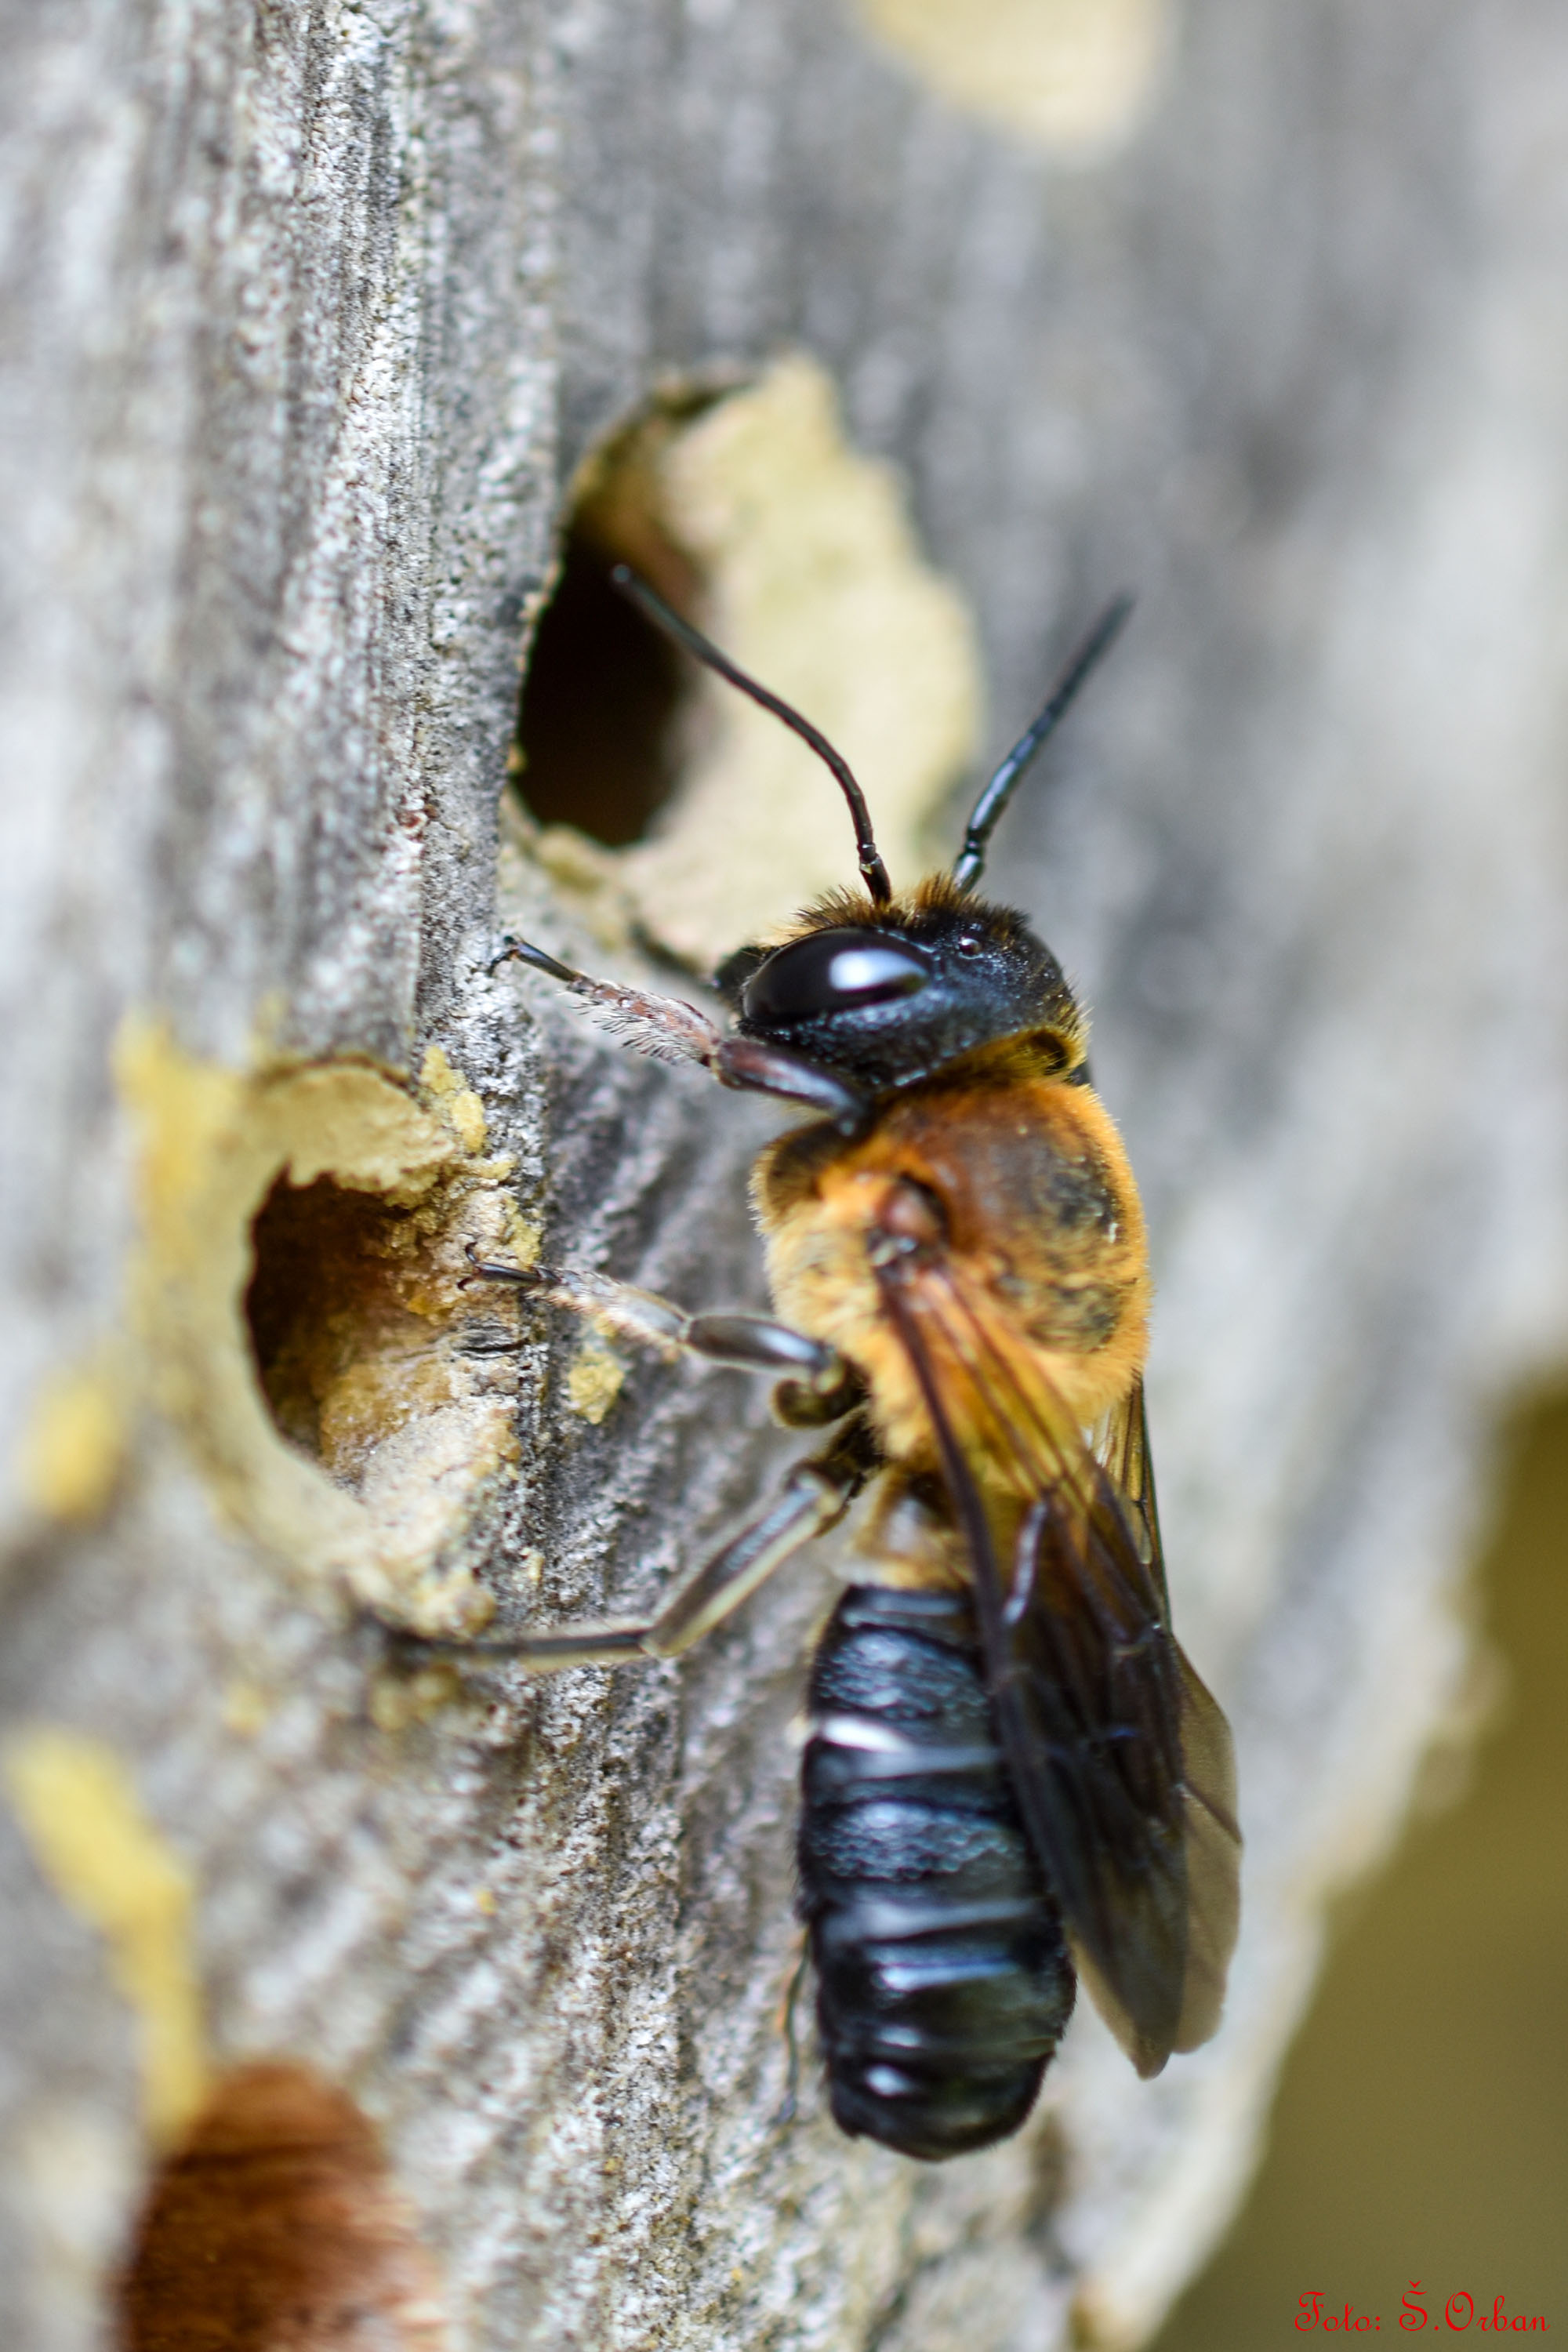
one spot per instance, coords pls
(1075, 77)
(76, 1444)
(595, 1380)
(108, 1861)
(818, 588)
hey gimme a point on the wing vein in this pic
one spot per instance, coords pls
(1119, 1758)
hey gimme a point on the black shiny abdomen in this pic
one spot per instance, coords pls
(944, 1983)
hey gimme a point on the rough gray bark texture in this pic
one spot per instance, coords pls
(307, 314)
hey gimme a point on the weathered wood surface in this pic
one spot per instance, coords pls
(307, 314)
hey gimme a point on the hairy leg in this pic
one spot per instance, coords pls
(814, 1497)
(816, 1384)
(672, 1031)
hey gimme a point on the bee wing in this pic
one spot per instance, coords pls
(1121, 1447)
(1208, 1758)
(1120, 1760)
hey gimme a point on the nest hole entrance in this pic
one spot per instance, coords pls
(276, 2222)
(600, 705)
(745, 506)
(342, 1354)
(605, 718)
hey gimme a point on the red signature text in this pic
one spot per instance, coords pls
(1455, 2313)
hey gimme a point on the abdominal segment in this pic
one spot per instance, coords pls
(944, 1982)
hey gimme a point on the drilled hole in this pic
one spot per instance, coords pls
(603, 725)
(276, 2224)
(343, 1354)
(600, 705)
(748, 511)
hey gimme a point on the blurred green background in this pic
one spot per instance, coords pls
(1421, 2130)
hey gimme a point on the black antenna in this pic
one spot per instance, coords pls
(969, 862)
(659, 613)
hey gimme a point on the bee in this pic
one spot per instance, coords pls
(1013, 1778)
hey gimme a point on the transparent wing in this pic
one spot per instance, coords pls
(1120, 1760)
(1121, 1445)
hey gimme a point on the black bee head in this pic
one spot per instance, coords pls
(890, 995)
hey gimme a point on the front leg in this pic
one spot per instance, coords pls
(815, 1498)
(816, 1384)
(672, 1031)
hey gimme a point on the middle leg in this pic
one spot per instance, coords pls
(816, 1384)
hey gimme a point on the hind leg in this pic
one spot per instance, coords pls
(815, 1497)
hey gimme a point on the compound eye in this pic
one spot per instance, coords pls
(832, 971)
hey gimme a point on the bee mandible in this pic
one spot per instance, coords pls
(1013, 1775)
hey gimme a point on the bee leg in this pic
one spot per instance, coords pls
(820, 1385)
(671, 1030)
(815, 1497)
